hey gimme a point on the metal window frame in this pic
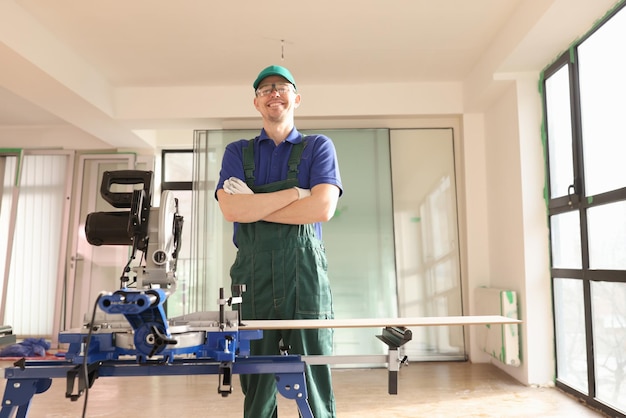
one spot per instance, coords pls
(581, 203)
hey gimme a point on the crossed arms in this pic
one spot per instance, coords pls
(283, 206)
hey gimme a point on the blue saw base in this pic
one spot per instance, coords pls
(30, 377)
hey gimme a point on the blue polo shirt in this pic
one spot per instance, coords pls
(318, 164)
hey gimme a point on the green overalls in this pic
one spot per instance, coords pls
(285, 272)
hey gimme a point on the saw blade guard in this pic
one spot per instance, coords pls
(164, 228)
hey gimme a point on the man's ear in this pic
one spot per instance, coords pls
(297, 100)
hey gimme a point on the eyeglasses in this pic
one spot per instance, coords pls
(281, 88)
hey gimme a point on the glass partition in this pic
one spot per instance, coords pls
(361, 240)
(426, 236)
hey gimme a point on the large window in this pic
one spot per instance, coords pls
(585, 103)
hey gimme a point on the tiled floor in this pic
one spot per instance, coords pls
(430, 390)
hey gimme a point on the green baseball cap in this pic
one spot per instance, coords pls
(274, 70)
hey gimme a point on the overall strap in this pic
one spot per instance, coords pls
(248, 163)
(294, 161)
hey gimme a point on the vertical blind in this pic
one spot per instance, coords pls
(36, 244)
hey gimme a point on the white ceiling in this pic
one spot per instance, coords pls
(197, 42)
(225, 43)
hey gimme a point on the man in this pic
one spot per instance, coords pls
(277, 189)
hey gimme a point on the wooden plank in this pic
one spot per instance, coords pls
(378, 322)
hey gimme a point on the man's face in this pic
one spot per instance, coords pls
(280, 102)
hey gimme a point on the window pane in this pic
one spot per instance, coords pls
(426, 237)
(178, 166)
(565, 233)
(571, 343)
(609, 337)
(607, 236)
(603, 99)
(359, 243)
(178, 302)
(559, 132)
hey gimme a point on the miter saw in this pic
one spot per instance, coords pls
(154, 231)
(134, 316)
(132, 320)
(129, 333)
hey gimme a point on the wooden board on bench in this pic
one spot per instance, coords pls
(378, 322)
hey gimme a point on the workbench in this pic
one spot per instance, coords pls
(29, 377)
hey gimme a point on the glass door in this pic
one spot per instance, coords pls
(91, 269)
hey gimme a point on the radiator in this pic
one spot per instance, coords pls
(499, 341)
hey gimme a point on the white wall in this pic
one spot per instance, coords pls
(517, 231)
(504, 200)
(537, 305)
(474, 217)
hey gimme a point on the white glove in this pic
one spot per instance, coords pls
(235, 186)
(302, 193)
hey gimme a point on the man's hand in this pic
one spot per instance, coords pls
(235, 186)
